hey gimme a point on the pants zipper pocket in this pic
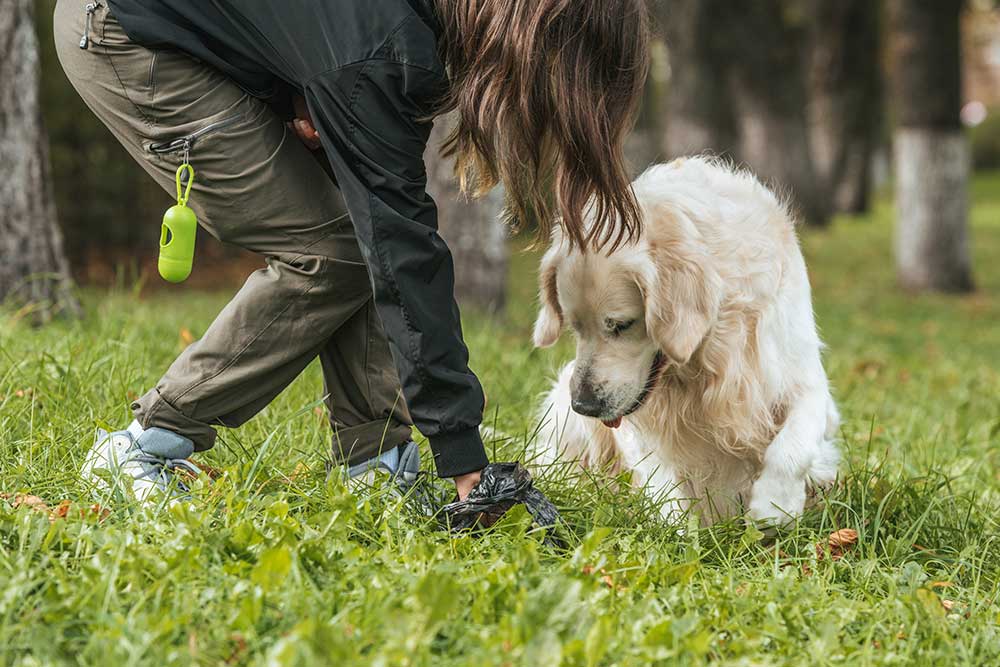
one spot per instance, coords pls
(88, 25)
(188, 142)
(151, 78)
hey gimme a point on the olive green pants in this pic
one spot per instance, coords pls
(259, 188)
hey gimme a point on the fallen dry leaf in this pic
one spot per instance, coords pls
(838, 543)
(605, 577)
(186, 336)
(211, 471)
(101, 513)
(239, 649)
(844, 537)
(60, 511)
(301, 469)
(27, 500)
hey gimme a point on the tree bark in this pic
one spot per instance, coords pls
(738, 89)
(33, 267)
(845, 106)
(644, 146)
(699, 107)
(931, 153)
(474, 230)
(768, 87)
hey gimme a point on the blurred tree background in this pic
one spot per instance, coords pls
(810, 94)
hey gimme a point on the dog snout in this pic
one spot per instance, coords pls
(586, 401)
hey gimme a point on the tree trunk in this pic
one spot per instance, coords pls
(737, 88)
(473, 230)
(33, 268)
(768, 87)
(931, 154)
(699, 108)
(845, 106)
(644, 146)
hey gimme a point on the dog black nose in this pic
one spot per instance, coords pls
(587, 403)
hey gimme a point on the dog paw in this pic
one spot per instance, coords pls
(777, 501)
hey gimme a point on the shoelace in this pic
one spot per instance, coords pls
(165, 466)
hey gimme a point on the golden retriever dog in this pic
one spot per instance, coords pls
(698, 365)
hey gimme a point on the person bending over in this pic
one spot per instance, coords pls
(543, 93)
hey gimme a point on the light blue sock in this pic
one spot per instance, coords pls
(390, 459)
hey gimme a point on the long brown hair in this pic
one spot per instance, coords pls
(545, 92)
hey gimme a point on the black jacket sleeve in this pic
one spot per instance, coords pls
(370, 116)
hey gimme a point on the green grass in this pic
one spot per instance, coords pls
(273, 565)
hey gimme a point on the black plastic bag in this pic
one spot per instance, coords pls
(502, 486)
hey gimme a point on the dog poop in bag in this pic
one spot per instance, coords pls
(502, 486)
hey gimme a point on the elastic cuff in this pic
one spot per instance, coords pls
(459, 453)
(153, 411)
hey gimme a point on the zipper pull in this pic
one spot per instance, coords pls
(85, 40)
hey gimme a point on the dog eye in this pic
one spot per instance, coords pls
(618, 328)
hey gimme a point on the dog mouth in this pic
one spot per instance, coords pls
(653, 379)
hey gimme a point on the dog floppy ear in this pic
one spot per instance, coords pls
(549, 324)
(683, 295)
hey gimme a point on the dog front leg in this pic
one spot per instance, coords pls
(654, 475)
(801, 447)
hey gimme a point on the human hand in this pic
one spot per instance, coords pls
(303, 124)
(465, 483)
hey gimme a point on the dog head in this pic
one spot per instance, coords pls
(634, 311)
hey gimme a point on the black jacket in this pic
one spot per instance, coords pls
(370, 73)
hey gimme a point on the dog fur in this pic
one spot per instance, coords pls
(717, 385)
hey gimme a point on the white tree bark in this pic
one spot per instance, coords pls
(33, 267)
(932, 243)
(473, 230)
(931, 155)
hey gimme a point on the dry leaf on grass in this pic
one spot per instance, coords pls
(838, 543)
(186, 336)
(301, 470)
(212, 472)
(239, 649)
(61, 511)
(25, 500)
(605, 577)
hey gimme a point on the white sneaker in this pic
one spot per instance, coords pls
(140, 463)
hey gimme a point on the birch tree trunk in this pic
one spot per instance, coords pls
(931, 153)
(33, 267)
(473, 230)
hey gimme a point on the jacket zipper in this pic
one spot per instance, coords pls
(187, 143)
(88, 24)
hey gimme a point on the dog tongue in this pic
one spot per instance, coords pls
(614, 423)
